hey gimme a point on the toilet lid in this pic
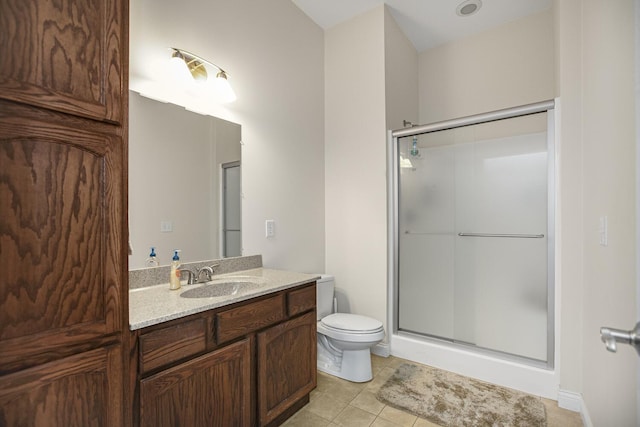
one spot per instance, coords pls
(352, 322)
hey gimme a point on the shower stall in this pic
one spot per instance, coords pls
(472, 245)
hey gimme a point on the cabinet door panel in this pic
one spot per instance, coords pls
(286, 365)
(81, 390)
(211, 390)
(60, 241)
(65, 55)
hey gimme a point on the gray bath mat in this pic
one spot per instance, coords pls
(448, 399)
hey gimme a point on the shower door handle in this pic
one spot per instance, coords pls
(517, 236)
(610, 337)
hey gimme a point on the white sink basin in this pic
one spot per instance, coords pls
(220, 288)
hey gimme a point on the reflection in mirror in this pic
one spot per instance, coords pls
(184, 184)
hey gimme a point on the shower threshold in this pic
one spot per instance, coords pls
(528, 375)
(472, 347)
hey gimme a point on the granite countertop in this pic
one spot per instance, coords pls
(156, 304)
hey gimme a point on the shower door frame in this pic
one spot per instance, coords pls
(394, 235)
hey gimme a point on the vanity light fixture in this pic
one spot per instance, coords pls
(196, 66)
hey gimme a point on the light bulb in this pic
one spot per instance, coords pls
(223, 89)
(179, 69)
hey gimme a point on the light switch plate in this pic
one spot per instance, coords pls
(603, 231)
(270, 228)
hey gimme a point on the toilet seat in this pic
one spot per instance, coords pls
(352, 322)
(351, 327)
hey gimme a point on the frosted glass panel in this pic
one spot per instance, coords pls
(458, 189)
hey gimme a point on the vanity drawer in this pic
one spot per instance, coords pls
(248, 318)
(301, 300)
(164, 346)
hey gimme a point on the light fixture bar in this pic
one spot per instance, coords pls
(191, 59)
(196, 66)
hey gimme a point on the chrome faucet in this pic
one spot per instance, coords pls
(208, 272)
(191, 279)
(194, 277)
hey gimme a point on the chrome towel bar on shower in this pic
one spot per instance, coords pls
(516, 236)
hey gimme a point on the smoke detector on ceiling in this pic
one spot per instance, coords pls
(468, 7)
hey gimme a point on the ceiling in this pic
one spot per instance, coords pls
(427, 23)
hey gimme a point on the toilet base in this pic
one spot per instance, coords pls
(351, 365)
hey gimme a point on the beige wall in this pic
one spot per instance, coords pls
(401, 75)
(595, 76)
(371, 86)
(608, 178)
(503, 67)
(275, 59)
(355, 159)
(569, 220)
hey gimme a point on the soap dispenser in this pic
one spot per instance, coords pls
(174, 279)
(152, 261)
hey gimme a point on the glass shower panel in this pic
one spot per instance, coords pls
(472, 227)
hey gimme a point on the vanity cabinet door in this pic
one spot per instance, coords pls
(61, 239)
(210, 390)
(69, 56)
(63, 212)
(286, 366)
(80, 390)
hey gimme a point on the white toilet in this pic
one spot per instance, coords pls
(344, 340)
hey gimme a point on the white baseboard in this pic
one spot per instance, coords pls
(381, 349)
(570, 400)
(573, 402)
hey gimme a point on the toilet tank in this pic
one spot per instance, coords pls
(324, 295)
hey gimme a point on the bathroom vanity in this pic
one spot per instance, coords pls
(244, 359)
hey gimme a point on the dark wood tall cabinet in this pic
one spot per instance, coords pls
(63, 204)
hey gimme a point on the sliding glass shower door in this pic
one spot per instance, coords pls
(473, 221)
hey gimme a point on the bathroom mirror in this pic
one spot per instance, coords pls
(184, 184)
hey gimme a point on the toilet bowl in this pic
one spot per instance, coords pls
(344, 339)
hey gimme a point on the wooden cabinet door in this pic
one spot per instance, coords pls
(213, 390)
(63, 203)
(286, 365)
(62, 259)
(81, 390)
(70, 56)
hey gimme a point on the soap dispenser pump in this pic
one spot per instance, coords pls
(152, 261)
(174, 279)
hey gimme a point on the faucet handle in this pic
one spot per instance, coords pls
(208, 271)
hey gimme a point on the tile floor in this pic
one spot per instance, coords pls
(336, 402)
